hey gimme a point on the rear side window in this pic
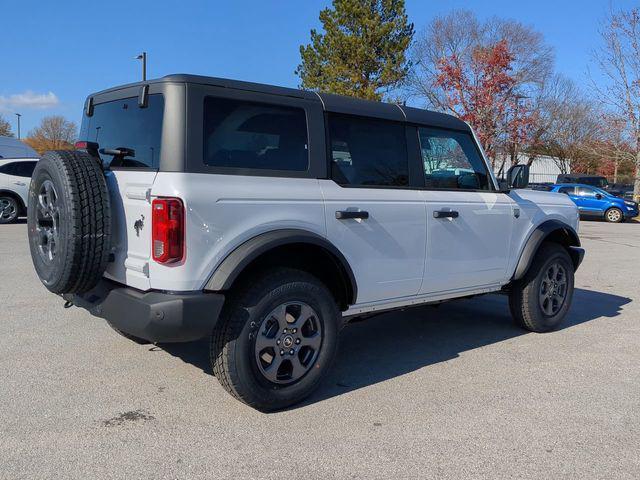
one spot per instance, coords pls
(566, 190)
(23, 169)
(368, 152)
(451, 161)
(122, 124)
(242, 134)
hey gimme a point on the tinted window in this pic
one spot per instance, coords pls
(123, 124)
(242, 134)
(566, 190)
(7, 168)
(451, 161)
(24, 169)
(368, 152)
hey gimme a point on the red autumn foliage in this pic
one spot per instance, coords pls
(481, 92)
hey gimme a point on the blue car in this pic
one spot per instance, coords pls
(595, 202)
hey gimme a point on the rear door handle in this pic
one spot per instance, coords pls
(346, 214)
(445, 214)
(19, 183)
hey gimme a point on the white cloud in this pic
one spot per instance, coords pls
(29, 99)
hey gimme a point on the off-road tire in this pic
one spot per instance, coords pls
(233, 339)
(614, 215)
(83, 225)
(524, 295)
(9, 209)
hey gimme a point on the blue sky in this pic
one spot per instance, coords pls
(55, 53)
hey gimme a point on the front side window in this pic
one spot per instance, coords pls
(368, 152)
(242, 134)
(451, 161)
(585, 192)
(122, 125)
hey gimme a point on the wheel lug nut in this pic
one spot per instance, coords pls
(284, 331)
(294, 330)
(281, 352)
(291, 352)
(297, 341)
(277, 342)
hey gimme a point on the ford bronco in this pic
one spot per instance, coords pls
(266, 217)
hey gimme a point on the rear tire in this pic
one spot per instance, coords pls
(9, 209)
(614, 215)
(540, 301)
(276, 339)
(69, 221)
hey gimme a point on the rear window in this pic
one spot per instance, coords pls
(122, 124)
(241, 134)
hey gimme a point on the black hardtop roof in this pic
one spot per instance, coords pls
(330, 102)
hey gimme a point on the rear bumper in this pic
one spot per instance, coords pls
(153, 315)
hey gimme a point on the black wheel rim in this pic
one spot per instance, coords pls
(553, 289)
(8, 209)
(288, 342)
(47, 221)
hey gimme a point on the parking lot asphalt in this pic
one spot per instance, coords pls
(450, 392)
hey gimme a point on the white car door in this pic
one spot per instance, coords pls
(372, 216)
(469, 224)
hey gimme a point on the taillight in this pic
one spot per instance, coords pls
(167, 230)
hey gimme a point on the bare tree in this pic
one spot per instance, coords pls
(53, 133)
(619, 61)
(5, 128)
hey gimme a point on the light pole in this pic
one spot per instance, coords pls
(143, 57)
(18, 115)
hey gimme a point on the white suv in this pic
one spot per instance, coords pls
(15, 175)
(266, 217)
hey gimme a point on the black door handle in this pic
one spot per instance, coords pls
(445, 214)
(345, 214)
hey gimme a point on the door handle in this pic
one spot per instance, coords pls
(445, 214)
(19, 183)
(346, 214)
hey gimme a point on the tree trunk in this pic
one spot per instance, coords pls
(615, 171)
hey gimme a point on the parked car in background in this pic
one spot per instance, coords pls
(15, 175)
(617, 189)
(596, 202)
(11, 147)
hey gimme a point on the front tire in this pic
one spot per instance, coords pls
(9, 209)
(614, 215)
(540, 301)
(276, 339)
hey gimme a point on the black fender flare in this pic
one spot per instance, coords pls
(543, 231)
(235, 262)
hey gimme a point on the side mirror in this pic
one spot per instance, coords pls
(598, 196)
(518, 176)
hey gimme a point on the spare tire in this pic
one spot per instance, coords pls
(69, 221)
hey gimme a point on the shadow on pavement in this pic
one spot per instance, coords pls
(393, 344)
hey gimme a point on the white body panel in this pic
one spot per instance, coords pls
(224, 211)
(469, 251)
(386, 251)
(130, 202)
(14, 183)
(400, 255)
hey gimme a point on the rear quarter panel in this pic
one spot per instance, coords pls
(223, 211)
